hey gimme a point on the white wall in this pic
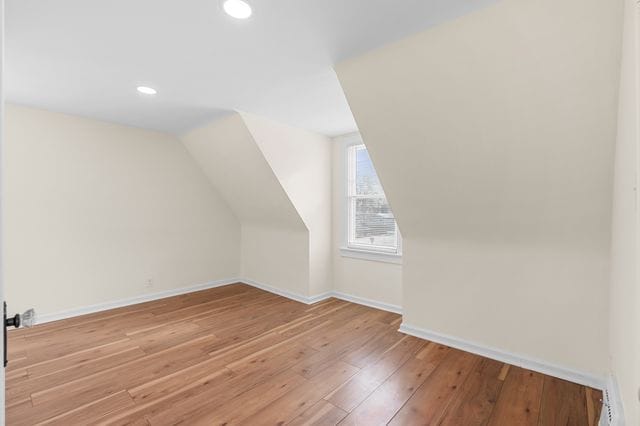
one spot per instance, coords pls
(302, 162)
(272, 228)
(92, 210)
(493, 137)
(234, 164)
(277, 257)
(373, 280)
(625, 291)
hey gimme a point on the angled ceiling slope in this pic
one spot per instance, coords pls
(493, 136)
(277, 181)
(229, 156)
(277, 64)
(302, 162)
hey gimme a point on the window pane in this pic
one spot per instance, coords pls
(367, 182)
(374, 223)
(371, 222)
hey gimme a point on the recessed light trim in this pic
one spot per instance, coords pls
(238, 9)
(146, 90)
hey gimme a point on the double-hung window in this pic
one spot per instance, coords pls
(371, 226)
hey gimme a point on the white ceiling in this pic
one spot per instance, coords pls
(87, 56)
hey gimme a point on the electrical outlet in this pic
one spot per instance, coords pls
(149, 283)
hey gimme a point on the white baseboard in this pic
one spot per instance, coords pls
(317, 298)
(41, 319)
(286, 293)
(586, 379)
(543, 367)
(367, 302)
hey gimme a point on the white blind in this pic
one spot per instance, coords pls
(371, 222)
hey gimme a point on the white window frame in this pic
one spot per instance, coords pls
(382, 254)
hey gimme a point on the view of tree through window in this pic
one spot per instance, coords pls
(371, 222)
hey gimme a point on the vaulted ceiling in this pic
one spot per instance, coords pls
(86, 57)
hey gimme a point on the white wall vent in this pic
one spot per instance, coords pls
(611, 405)
(606, 418)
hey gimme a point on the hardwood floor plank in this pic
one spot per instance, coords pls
(323, 413)
(519, 400)
(594, 405)
(80, 357)
(179, 381)
(356, 390)
(61, 398)
(186, 397)
(34, 384)
(170, 383)
(20, 414)
(373, 349)
(203, 398)
(295, 402)
(248, 403)
(46, 347)
(17, 375)
(92, 412)
(335, 342)
(503, 372)
(380, 407)
(207, 392)
(240, 355)
(167, 337)
(430, 401)
(475, 402)
(563, 403)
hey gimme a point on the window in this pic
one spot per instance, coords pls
(371, 226)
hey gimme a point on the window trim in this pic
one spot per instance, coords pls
(350, 250)
(375, 256)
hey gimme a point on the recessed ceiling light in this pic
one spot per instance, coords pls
(147, 90)
(237, 8)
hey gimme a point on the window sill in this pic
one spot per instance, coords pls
(371, 255)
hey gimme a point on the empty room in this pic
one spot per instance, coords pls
(304, 212)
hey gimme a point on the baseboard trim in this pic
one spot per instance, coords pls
(286, 293)
(70, 313)
(309, 300)
(543, 367)
(367, 302)
(571, 375)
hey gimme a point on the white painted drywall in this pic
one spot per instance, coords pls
(625, 289)
(276, 257)
(373, 280)
(493, 136)
(275, 239)
(229, 156)
(93, 210)
(301, 160)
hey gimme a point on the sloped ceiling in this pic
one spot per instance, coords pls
(277, 180)
(278, 64)
(493, 136)
(496, 126)
(229, 156)
(301, 161)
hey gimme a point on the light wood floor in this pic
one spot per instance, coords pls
(236, 354)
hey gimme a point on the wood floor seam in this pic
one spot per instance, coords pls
(239, 355)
